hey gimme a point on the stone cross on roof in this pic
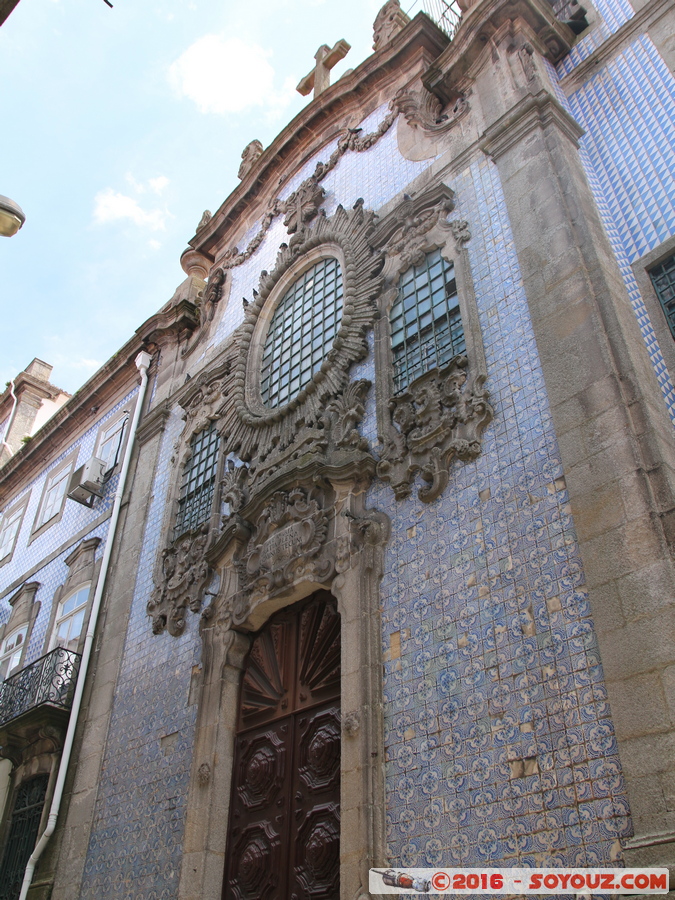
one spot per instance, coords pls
(319, 77)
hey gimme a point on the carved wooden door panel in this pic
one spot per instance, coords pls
(284, 831)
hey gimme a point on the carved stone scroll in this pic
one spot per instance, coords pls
(285, 544)
(423, 110)
(184, 575)
(439, 418)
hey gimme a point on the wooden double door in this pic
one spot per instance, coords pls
(284, 826)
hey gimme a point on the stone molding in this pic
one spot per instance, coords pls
(450, 75)
(207, 302)
(532, 112)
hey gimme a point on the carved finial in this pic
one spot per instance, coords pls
(249, 154)
(319, 77)
(389, 21)
(205, 219)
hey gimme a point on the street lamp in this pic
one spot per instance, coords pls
(12, 217)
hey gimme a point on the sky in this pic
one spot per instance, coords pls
(119, 127)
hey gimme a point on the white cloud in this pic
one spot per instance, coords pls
(227, 75)
(111, 206)
(158, 184)
(153, 244)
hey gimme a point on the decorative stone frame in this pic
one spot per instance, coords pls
(351, 556)
(83, 569)
(38, 528)
(443, 413)
(9, 511)
(25, 609)
(641, 268)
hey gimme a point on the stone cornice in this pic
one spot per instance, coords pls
(114, 378)
(626, 34)
(533, 111)
(478, 27)
(412, 50)
(27, 383)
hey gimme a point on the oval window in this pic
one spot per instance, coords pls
(301, 332)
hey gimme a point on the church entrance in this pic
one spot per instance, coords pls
(284, 828)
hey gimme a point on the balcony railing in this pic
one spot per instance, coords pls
(50, 679)
(445, 13)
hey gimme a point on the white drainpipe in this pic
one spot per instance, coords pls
(143, 361)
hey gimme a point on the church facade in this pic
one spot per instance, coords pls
(360, 552)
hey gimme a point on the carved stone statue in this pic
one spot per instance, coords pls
(249, 154)
(388, 22)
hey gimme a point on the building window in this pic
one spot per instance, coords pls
(110, 442)
(9, 529)
(426, 325)
(197, 484)
(663, 279)
(301, 332)
(12, 651)
(69, 620)
(23, 832)
(55, 491)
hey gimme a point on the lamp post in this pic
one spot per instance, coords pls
(12, 217)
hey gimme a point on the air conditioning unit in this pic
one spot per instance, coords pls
(87, 482)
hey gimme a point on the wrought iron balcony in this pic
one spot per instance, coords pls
(49, 681)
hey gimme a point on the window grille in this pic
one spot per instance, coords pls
(23, 831)
(199, 478)
(426, 324)
(663, 279)
(301, 332)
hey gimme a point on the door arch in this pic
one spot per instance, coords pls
(284, 825)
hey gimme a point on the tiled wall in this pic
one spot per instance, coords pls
(74, 520)
(135, 847)
(485, 588)
(485, 591)
(610, 14)
(628, 112)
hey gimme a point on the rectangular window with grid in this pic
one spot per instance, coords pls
(198, 481)
(426, 324)
(663, 279)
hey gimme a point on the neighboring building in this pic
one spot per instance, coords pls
(390, 579)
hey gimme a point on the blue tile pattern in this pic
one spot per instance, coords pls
(499, 664)
(628, 112)
(135, 847)
(484, 589)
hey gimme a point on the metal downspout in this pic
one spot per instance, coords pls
(143, 361)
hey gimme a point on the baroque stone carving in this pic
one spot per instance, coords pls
(204, 774)
(285, 544)
(351, 723)
(443, 413)
(249, 155)
(388, 22)
(303, 205)
(205, 219)
(441, 416)
(270, 437)
(207, 300)
(423, 110)
(350, 141)
(184, 575)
